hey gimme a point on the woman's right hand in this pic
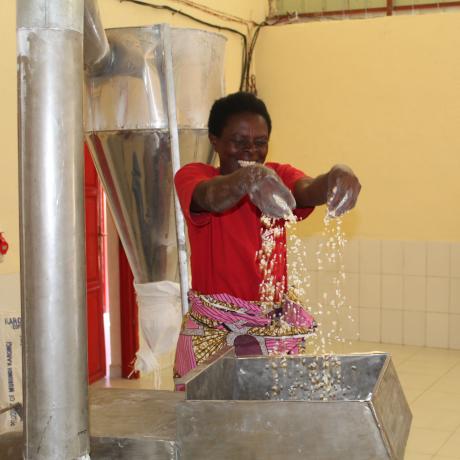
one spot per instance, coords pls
(266, 191)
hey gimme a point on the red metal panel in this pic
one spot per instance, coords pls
(96, 345)
(95, 284)
(128, 318)
(93, 272)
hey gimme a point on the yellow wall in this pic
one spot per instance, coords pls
(382, 95)
(114, 14)
(9, 213)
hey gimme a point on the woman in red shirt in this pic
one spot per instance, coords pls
(223, 209)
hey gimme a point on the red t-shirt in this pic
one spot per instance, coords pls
(224, 246)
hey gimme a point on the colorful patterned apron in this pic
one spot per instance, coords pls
(216, 321)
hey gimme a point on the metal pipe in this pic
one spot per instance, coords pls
(285, 18)
(102, 57)
(175, 157)
(53, 281)
(389, 7)
(97, 53)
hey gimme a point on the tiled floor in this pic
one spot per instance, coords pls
(431, 381)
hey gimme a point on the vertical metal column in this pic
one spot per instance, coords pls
(53, 281)
(175, 154)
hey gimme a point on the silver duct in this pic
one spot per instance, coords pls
(97, 55)
(53, 282)
(135, 131)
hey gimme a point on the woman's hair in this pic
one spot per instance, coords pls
(234, 104)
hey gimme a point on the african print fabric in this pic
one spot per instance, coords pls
(221, 320)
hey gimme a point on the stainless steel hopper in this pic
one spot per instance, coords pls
(230, 411)
(135, 108)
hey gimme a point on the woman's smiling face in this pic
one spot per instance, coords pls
(244, 138)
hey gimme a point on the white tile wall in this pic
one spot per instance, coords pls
(392, 292)
(414, 293)
(326, 324)
(392, 257)
(325, 283)
(438, 258)
(437, 330)
(369, 325)
(437, 294)
(454, 331)
(414, 258)
(392, 326)
(351, 256)
(405, 292)
(454, 301)
(414, 328)
(351, 289)
(349, 323)
(455, 260)
(369, 256)
(369, 290)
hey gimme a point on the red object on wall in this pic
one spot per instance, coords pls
(129, 318)
(95, 286)
(3, 245)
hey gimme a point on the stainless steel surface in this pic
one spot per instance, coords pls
(175, 158)
(232, 400)
(126, 413)
(234, 419)
(281, 430)
(102, 448)
(97, 53)
(251, 378)
(50, 49)
(392, 411)
(125, 425)
(50, 14)
(128, 131)
(135, 168)
(133, 424)
(117, 101)
(111, 448)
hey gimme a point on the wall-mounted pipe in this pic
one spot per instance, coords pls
(102, 57)
(389, 9)
(52, 231)
(97, 53)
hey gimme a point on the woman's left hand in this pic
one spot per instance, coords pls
(342, 191)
